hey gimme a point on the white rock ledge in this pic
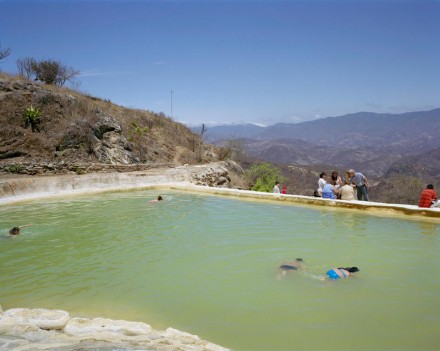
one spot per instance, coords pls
(23, 329)
(41, 318)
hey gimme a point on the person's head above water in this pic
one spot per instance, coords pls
(14, 231)
(159, 198)
(350, 269)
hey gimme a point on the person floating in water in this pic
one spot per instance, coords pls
(338, 273)
(290, 267)
(159, 198)
(16, 230)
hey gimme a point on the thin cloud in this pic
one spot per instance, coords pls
(374, 106)
(92, 73)
(213, 123)
(405, 108)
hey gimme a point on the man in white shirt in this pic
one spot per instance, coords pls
(321, 182)
(276, 188)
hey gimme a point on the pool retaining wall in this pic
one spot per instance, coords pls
(211, 179)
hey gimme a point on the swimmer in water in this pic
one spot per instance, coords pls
(338, 273)
(291, 266)
(159, 198)
(16, 230)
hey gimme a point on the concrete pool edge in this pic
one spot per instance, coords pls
(186, 178)
(373, 208)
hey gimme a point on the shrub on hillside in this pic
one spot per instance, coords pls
(32, 118)
(264, 176)
(47, 71)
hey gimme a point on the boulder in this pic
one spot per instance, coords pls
(111, 145)
(105, 124)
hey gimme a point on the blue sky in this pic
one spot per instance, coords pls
(238, 61)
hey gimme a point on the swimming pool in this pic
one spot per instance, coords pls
(207, 265)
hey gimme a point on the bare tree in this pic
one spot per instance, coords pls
(203, 131)
(232, 149)
(198, 142)
(4, 53)
(25, 67)
(66, 74)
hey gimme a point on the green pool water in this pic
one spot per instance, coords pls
(207, 265)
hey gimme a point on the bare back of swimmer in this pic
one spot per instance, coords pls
(290, 266)
(338, 273)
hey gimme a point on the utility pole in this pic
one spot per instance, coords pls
(171, 104)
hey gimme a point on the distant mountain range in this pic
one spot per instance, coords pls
(366, 141)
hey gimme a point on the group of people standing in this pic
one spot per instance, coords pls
(334, 188)
(355, 187)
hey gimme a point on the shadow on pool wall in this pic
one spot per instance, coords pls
(210, 179)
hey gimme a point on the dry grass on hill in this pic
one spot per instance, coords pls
(71, 124)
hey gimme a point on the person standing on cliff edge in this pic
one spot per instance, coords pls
(361, 183)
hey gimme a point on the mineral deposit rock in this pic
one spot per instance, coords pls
(77, 326)
(39, 317)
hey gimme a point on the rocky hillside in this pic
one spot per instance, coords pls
(302, 153)
(75, 128)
